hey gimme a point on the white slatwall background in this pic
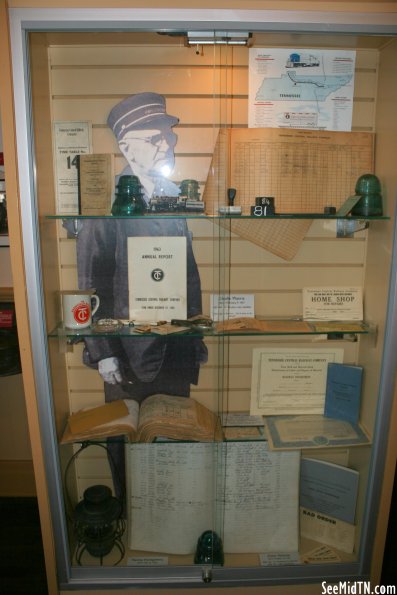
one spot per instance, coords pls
(87, 81)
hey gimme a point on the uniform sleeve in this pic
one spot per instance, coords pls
(96, 266)
(194, 302)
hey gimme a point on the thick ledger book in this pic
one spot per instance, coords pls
(176, 418)
(328, 488)
(247, 494)
(343, 392)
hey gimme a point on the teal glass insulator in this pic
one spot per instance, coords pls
(129, 197)
(370, 204)
(209, 549)
(190, 189)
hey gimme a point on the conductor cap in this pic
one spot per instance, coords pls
(140, 111)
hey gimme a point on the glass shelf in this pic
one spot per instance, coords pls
(313, 328)
(123, 439)
(184, 215)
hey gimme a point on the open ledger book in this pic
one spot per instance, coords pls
(176, 418)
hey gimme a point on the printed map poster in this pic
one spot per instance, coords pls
(157, 278)
(293, 88)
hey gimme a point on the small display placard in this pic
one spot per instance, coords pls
(224, 306)
(262, 210)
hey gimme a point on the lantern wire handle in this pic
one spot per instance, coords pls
(69, 508)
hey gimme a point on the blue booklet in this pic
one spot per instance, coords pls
(343, 392)
(329, 489)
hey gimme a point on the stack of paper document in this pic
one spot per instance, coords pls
(328, 497)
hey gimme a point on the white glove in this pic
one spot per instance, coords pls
(109, 369)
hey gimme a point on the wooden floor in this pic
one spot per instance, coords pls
(21, 551)
(389, 572)
(22, 560)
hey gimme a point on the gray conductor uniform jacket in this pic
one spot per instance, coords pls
(102, 264)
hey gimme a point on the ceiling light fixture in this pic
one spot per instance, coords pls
(218, 37)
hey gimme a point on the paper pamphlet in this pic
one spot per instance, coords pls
(343, 392)
(250, 324)
(320, 555)
(157, 278)
(327, 530)
(332, 303)
(96, 183)
(328, 488)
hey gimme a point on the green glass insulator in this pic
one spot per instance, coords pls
(370, 204)
(209, 549)
(129, 197)
(190, 189)
(368, 184)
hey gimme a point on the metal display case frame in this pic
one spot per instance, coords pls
(24, 21)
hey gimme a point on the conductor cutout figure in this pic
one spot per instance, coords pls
(137, 367)
(144, 132)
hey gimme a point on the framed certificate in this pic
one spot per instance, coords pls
(290, 381)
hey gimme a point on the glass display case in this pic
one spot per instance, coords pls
(198, 422)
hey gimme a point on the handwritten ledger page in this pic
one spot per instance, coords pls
(261, 499)
(175, 492)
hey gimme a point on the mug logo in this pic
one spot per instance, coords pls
(157, 275)
(81, 312)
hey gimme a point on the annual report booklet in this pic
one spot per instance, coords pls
(343, 392)
(157, 278)
(246, 493)
(177, 418)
